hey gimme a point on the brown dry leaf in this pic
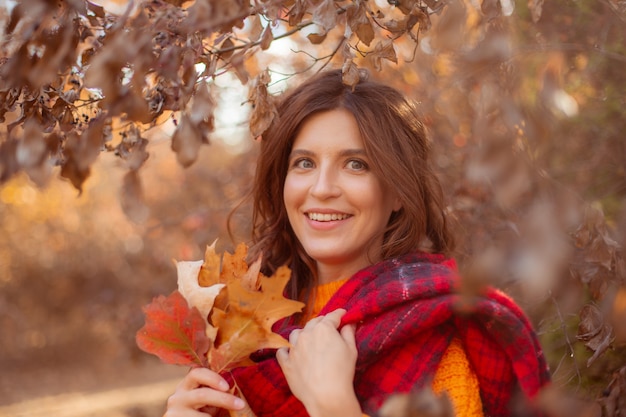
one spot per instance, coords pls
(256, 27)
(418, 15)
(132, 148)
(614, 404)
(316, 38)
(59, 54)
(201, 113)
(418, 403)
(350, 73)
(96, 9)
(169, 61)
(594, 331)
(82, 151)
(32, 152)
(267, 38)
(238, 61)
(491, 8)
(106, 64)
(8, 164)
(297, 11)
(226, 49)
(449, 33)
(245, 326)
(8, 100)
(536, 8)
(132, 198)
(210, 16)
(186, 141)
(325, 15)
(405, 6)
(360, 23)
(586, 235)
(263, 105)
(383, 50)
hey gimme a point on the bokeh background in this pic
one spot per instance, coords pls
(526, 115)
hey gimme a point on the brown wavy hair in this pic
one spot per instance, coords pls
(395, 141)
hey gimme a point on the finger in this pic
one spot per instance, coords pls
(282, 355)
(334, 317)
(206, 396)
(348, 334)
(210, 410)
(293, 336)
(199, 377)
(313, 322)
(188, 413)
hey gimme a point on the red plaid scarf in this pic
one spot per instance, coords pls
(407, 312)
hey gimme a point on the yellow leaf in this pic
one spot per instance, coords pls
(210, 271)
(239, 303)
(245, 326)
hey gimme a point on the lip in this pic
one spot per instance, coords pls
(326, 224)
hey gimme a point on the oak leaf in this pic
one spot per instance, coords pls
(245, 326)
(231, 303)
(197, 296)
(174, 332)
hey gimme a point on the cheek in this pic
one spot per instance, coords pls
(287, 190)
(290, 193)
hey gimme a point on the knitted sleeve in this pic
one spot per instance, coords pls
(455, 376)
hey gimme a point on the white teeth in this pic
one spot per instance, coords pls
(326, 217)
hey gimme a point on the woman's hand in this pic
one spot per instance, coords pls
(319, 366)
(200, 394)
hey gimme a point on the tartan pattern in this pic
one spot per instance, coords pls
(407, 311)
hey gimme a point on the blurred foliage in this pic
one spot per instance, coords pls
(524, 102)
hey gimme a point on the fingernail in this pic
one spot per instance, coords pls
(239, 403)
(224, 385)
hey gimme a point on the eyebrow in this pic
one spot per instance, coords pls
(343, 153)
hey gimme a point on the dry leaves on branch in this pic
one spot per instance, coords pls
(614, 402)
(594, 330)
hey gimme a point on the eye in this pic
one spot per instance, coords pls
(303, 163)
(356, 165)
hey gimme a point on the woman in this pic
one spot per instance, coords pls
(345, 195)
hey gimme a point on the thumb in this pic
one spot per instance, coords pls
(348, 334)
(282, 354)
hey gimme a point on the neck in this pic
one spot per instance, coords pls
(330, 273)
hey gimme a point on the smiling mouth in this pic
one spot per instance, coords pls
(326, 217)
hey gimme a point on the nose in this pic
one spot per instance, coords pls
(325, 184)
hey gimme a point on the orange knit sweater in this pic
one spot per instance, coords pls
(454, 374)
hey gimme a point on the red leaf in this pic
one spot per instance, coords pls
(174, 332)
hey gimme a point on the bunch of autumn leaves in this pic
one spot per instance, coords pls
(222, 311)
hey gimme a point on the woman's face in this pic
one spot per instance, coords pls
(337, 207)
